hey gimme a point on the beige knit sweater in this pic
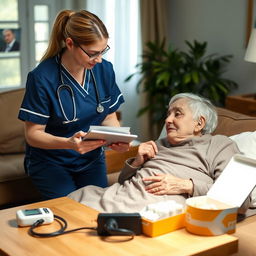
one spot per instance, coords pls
(201, 159)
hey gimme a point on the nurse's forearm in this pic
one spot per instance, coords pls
(37, 137)
(111, 120)
(47, 141)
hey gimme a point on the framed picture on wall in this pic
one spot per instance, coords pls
(9, 40)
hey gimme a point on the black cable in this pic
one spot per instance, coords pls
(112, 228)
(61, 231)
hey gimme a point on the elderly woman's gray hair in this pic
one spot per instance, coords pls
(200, 107)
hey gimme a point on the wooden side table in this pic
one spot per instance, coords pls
(15, 241)
(245, 104)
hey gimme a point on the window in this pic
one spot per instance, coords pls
(29, 21)
(40, 18)
(41, 30)
(10, 75)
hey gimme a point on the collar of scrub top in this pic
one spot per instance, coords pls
(99, 108)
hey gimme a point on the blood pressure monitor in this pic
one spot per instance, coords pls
(28, 217)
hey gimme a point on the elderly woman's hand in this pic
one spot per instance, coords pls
(146, 151)
(167, 184)
(120, 147)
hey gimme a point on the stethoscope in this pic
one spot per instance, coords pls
(99, 108)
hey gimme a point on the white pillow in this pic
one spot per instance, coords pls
(246, 142)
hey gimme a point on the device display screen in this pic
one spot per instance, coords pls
(31, 212)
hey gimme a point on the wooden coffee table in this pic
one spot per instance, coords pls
(16, 241)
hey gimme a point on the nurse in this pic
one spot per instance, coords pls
(72, 88)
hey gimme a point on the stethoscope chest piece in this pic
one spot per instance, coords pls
(100, 108)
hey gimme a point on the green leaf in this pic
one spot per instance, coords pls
(195, 77)
(129, 77)
(165, 71)
(187, 78)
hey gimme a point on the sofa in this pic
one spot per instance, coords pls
(16, 187)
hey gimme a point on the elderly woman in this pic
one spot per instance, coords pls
(183, 164)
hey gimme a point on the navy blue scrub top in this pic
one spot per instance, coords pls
(41, 106)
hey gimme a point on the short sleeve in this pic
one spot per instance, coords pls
(117, 96)
(35, 105)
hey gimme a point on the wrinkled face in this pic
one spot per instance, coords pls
(179, 123)
(8, 36)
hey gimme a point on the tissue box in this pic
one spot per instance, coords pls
(162, 226)
(216, 213)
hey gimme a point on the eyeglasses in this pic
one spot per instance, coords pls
(93, 56)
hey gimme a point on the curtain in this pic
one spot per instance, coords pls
(153, 20)
(153, 28)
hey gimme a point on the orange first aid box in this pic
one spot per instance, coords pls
(162, 226)
(216, 213)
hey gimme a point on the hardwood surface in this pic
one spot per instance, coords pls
(246, 233)
(15, 241)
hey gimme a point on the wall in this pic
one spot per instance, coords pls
(223, 25)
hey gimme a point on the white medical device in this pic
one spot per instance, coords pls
(28, 217)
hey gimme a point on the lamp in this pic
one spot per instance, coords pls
(250, 54)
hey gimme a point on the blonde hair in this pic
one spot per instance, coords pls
(82, 27)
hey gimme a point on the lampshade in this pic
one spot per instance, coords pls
(250, 54)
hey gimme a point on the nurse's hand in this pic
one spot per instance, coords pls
(120, 147)
(83, 146)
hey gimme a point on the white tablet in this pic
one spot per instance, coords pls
(110, 137)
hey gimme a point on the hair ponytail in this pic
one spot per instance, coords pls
(57, 38)
(83, 27)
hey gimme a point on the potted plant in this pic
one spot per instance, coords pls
(165, 73)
